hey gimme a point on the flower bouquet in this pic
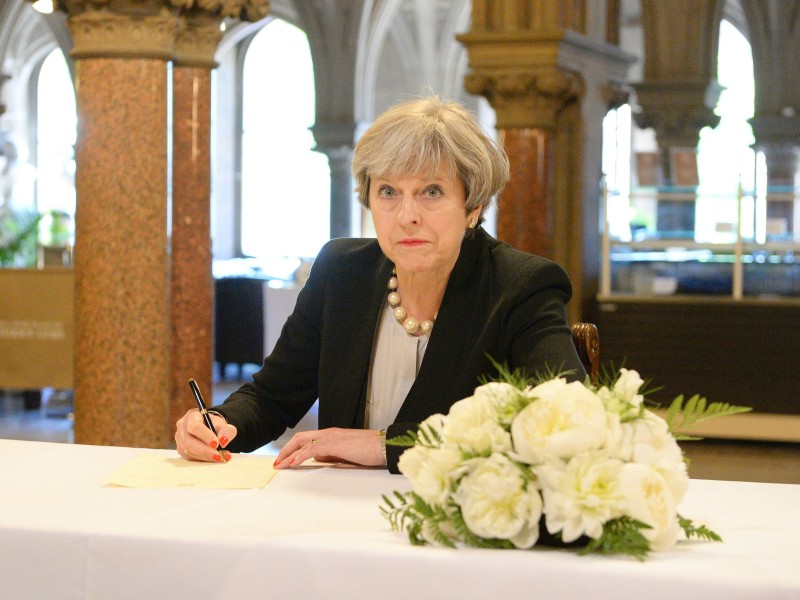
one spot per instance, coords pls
(575, 463)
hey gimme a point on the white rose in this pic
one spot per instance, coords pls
(504, 398)
(652, 445)
(431, 471)
(471, 426)
(650, 501)
(582, 495)
(568, 420)
(495, 503)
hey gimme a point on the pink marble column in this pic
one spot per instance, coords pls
(192, 284)
(121, 262)
(524, 213)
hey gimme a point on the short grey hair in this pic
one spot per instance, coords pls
(424, 135)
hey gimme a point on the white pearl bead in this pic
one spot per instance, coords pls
(393, 298)
(426, 326)
(393, 283)
(400, 313)
(411, 325)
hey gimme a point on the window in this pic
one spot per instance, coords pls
(285, 184)
(55, 157)
(724, 157)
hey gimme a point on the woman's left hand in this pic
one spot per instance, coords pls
(357, 446)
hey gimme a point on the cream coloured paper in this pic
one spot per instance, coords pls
(157, 471)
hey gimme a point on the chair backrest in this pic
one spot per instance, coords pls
(587, 342)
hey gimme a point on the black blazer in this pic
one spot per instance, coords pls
(499, 303)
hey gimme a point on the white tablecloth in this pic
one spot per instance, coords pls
(318, 533)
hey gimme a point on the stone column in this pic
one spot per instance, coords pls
(3, 79)
(333, 34)
(774, 29)
(121, 262)
(336, 142)
(679, 91)
(547, 81)
(527, 92)
(122, 269)
(192, 286)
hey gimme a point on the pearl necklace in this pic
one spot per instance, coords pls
(410, 324)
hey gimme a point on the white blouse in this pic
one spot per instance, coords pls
(396, 359)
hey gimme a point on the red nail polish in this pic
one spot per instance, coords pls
(276, 463)
(227, 456)
(213, 444)
(223, 441)
(217, 458)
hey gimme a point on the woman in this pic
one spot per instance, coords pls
(387, 332)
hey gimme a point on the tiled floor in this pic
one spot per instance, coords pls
(708, 459)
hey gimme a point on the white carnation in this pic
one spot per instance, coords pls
(624, 399)
(496, 504)
(628, 384)
(431, 471)
(582, 495)
(566, 420)
(649, 500)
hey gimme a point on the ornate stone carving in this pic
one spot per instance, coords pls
(676, 111)
(196, 40)
(615, 94)
(526, 99)
(153, 28)
(100, 33)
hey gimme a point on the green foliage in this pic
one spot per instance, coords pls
(425, 436)
(694, 531)
(620, 536)
(18, 233)
(516, 377)
(695, 410)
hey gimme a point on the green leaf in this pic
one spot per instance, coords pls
(620, 536)
(697, 531)
(680, 415)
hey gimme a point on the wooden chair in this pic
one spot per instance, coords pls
(587, 342)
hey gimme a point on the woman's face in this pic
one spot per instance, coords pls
(420, 220)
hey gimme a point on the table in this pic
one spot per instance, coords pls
(317, 533)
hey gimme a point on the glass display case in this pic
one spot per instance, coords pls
(687, 242)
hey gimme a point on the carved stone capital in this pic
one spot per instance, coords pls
(676, 111)
(154, 28)
(106, 34)
(615, 94)
(526, 99)
(196, 40)
(778, 138)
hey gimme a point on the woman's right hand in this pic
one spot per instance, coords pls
(195, 441)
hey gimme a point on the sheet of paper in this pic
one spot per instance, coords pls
(158, 471)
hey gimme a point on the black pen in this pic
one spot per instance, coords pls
(204, 411)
